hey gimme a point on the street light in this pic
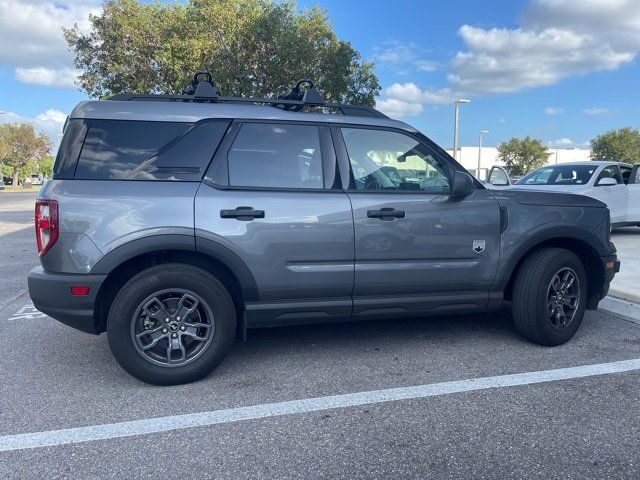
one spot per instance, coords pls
(481, 133)
(457, 104)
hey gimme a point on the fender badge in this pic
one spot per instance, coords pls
(478, 246)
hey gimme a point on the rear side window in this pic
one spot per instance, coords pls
(132, 150)
(276, 156)
(67, 158)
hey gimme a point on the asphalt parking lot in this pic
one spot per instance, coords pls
(466, 418)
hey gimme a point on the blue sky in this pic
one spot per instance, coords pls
(559, 70)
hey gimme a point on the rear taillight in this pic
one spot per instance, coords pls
(46, 224)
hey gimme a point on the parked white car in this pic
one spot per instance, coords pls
(614, 183)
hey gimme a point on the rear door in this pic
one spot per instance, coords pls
(271, 198)
(417, 247)
(633, 187)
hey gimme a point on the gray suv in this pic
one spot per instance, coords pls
(174, 223)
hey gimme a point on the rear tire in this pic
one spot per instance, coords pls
(549, 296)
(153, 341)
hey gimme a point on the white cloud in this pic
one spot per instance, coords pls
(407, 99)
(553, 111)
(395, 52)
(31, 40)
(596, 111)
(63, 77)
(402, 55)
(566, 143)
(398, 108)
(426, 65)
(556, 39)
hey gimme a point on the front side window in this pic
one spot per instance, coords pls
(276, 156)
(560, 175)
(384, 160)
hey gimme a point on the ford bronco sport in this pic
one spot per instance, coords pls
(174, 222)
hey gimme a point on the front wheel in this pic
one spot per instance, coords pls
(171, 324)
(549, 296)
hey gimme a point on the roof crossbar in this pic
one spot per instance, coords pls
(203, 91)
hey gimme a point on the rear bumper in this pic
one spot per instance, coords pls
(51, 294)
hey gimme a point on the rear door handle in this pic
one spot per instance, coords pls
(244, 214)
(386, 213)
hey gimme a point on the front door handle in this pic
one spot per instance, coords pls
(386, 213)
(244, 214)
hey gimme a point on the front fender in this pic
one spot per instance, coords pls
(513, 253)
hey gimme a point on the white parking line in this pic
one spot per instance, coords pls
(203, 419)
(28, 312)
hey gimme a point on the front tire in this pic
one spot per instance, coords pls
(549, 296)
(171, 324)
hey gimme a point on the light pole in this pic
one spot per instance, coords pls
(457, 104)
(481, 133)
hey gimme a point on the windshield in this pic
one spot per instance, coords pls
(559, 175)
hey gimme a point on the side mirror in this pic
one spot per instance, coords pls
(462, 184)
(606, 182)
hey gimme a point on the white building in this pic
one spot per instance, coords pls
(468, 157)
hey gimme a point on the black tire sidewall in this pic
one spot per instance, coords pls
(545, 332)
(158, 278)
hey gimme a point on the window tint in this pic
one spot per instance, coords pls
(560, 175)
(276, 156)
(67, 157)
(625, 171)
(382, 160)
(610, 172)
(635, 178)
(126, 150)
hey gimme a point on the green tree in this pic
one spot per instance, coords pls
(45, 166)
(252, 47)
(523, 156)
(20, 147)
(618, 145)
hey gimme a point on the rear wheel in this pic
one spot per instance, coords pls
(549, 296)
(171, 324)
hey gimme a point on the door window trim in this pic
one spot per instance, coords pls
(348, 179)
(217, 175)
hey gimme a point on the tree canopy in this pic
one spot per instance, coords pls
(523, 156)
(252, 47)
(621, 145)
(21, 146)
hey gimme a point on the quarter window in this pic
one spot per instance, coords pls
(387, 161)
(124, 150)
(276, 156)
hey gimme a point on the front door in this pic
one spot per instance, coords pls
(269, 199)
(417, 247)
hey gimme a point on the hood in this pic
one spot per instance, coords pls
(549, 198)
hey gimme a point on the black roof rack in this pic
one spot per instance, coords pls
(203, 91)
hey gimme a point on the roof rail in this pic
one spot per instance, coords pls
(203, 91)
